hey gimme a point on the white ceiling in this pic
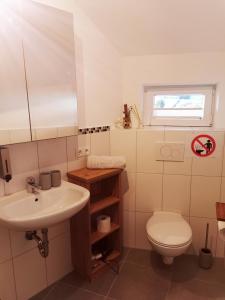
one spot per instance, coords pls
(159, 26)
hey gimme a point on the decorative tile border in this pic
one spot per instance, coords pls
(94, 129)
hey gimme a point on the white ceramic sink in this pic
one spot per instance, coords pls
(23, 211)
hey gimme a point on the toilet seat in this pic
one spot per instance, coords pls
(168, 229)
(169, 246)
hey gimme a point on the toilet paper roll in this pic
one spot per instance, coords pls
(103, 224)
(221, 228)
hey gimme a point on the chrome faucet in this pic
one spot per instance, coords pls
(31, 186)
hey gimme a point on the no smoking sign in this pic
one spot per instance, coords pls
(203, 145)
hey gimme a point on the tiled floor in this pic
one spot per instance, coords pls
(143, 276)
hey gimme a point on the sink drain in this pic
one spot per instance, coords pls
(43, 244)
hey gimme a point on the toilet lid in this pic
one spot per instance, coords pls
(169, 229)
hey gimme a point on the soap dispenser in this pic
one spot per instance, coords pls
(5, 165)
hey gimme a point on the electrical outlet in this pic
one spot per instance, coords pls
(79, 152)
(83, 151)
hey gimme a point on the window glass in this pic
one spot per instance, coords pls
(182, 105)
(179, 105)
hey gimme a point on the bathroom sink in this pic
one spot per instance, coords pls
(24, 211)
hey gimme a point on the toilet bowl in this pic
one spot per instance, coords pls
(169, 234)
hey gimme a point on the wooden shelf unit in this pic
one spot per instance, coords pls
(105, 198)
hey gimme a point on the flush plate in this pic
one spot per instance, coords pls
(169, 151)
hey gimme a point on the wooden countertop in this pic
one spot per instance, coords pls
(220, 211)
(92, 175)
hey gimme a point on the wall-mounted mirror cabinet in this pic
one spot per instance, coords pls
(37, 72)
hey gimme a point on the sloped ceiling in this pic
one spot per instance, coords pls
(159, 26)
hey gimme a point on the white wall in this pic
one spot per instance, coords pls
(175, 69)
(98, 70)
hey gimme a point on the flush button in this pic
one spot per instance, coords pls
(169, 151)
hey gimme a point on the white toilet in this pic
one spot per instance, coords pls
(169, 234)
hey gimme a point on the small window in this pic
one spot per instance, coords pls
(179, 105)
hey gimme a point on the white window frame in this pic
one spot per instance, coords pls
(151, 91)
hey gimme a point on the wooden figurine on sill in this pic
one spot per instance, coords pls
(126, 118)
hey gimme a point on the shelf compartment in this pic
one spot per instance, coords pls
(99, 205)
(220, 211)
(110, 259)
(97, 236)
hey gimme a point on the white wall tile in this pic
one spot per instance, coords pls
(100, 143)
(72, 147)
(179, 136)
(207, 166)
(187, 219)
(59, 229)
(128, 190)
(7, 283)
(24, 160)
(212, 165)
(30, 274)
(148, 192)
(129, 229)
(24, 157)
(18, 182)
(123, 142)
(222, 198)
(20, 244)
(146, 140)
(141, 240)
(198, 226)
(176, 193)
(220, 247)
(5, 248)
(84, 140)
(59, 260)
(223, 170)
(205, 192)
(2, 188)
(52, 152)
(77, 164)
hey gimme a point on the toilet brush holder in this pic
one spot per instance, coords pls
(205, 254)
(205, 258)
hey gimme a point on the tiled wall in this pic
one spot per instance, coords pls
(191, 187)
(23, 272)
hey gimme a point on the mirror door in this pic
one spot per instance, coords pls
(50, 70)
(14, 116)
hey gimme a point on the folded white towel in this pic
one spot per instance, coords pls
(106, 162)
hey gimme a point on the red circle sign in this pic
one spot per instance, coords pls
(203, 145)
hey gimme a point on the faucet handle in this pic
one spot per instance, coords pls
(30, 180)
